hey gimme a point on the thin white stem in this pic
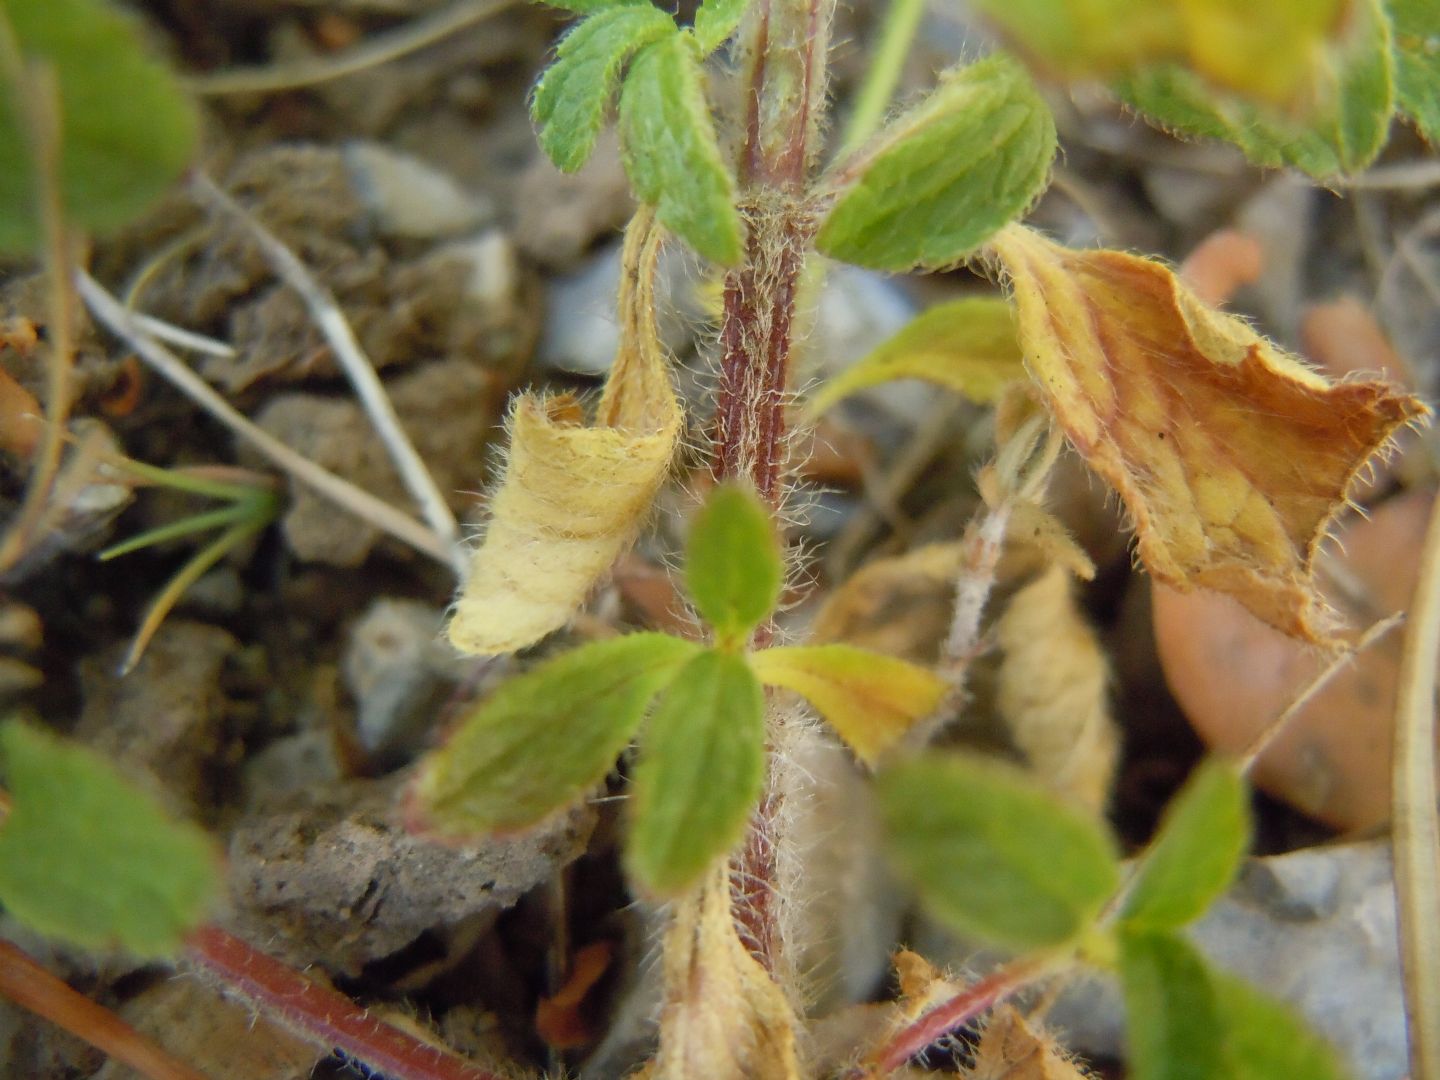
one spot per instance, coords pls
(353, 362)
(1400, 176)
(185, 339)
(121, 322)
(1415, 816)
(381, 49)
(981, 547)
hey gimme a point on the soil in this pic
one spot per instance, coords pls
(275, 709)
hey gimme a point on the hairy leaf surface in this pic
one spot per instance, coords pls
(870, 700)
(545, 737)
(702, 764)
(126, 130)
(994, 854)
(1417, 62)
(945, 175)
(716, 20)
(575, 91)
(1196, 852)
(732, 563)
(1231, 456)
(671, 152)
(970, 346)
(88, 858)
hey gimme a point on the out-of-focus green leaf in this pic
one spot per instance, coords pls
(545, 737)
(716, 21)
(944, 175)
(576, 90)
(1417, 62)
(1264, 1039)
(126, 130)
(732, 563)
(870, 699)
(995, 855)
(970, 346)
(701, 769)
(1172, 1020)
(1088, 38)
(670, 150)
(87, 857)
(1196, 852)
(589, 7)
(1353, 100)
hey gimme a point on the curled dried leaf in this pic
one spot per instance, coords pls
(573, 495)
(1052, 691)
(1231, 456)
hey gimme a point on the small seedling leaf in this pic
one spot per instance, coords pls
(1171, 1013)
(1196, 852)
(970, 346)
(126, 130)
(1417, 63)
(670, 150)
(576, 90)
(702, 764)
(945, 175)
(1264, 1039)
(1227, 498)
(545, 737)
(732, 563)
(871, 700)
(993, 854)
(1352, 95)
(716, 21)
(87, 857)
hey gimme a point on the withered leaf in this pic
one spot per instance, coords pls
(1232, 457)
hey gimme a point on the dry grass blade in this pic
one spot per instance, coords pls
(353, 362)
(110, 313)
(1414, 816)
(381, 49)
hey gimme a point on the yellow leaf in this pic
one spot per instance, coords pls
(1231, 456)
(967, 346)
(869, 699)
(724, 1018)
(573, 496)
(1051, 691)
(1011, 1049)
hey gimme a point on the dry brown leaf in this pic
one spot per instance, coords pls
(573, 496)
(1010, 1049)
(724, 1017)
(1231, 456)
(1051, 691)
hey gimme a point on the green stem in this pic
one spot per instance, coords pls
(887, 62)
(175, 530)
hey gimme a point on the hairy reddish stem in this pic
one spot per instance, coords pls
(328, 1018)
(950, 1015)
(30, 986)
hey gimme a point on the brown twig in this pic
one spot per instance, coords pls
(324, 1016)
(30, 986)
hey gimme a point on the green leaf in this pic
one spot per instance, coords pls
(870, 699)
(87, 857)
(1417, 62)
(1172, 1019)
(716, 21)
(701, 769)
(546, 737)
(993, 854)
(670, 150)
(1265, 1040)
(732, 563)
(945, 175)
(970, 346)
(126, 130)
(1341, 135)
(590, 7)
(1196, 852)
(573, 95)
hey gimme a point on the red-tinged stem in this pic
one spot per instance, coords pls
(326, 1017)
(950, 1015)
(30, 986)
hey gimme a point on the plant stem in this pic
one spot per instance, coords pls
(882, 73)
(31, 987)
(326, 1017)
